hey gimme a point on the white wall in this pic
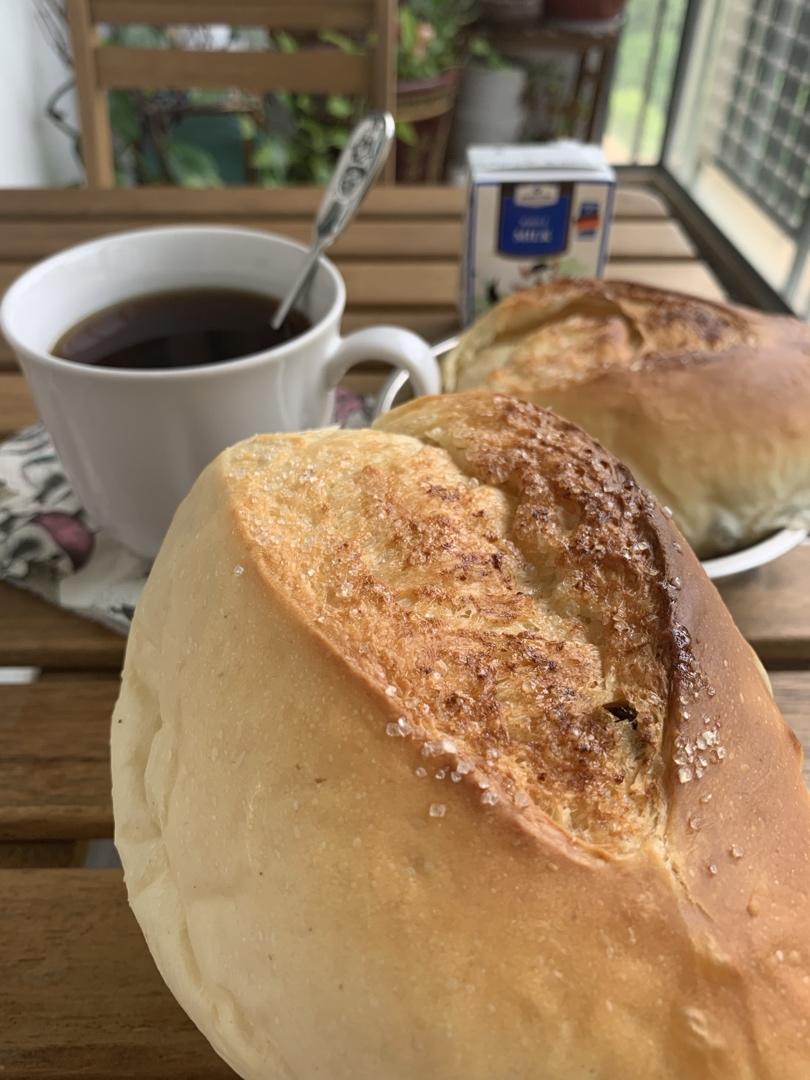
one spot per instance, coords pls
(33, 152)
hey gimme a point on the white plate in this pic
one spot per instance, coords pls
(738, 562)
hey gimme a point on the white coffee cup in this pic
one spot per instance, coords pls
(133, 442)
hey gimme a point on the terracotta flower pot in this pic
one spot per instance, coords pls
(511, 11)
(427, 105)
(583, 9)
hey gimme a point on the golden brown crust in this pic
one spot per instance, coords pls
(705, 402)
(361, 911)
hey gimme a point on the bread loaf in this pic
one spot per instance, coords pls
(709, 404)
(437, 755)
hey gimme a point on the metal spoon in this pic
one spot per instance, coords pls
(362, 158)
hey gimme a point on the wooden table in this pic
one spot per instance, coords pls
(79, 995)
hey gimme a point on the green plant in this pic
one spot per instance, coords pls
(288, 137)
(481, 51)
(434, 37)
(146, 146)
(316, 130)
(308, 154)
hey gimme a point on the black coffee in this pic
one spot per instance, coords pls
(178, 329)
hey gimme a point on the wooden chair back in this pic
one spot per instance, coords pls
(319, 69)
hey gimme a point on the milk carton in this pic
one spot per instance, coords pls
(534, 213)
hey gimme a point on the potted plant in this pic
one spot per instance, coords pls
(433, 42)
(491, 103)
(511, 11)
(583, 10)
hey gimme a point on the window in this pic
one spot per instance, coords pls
(740, 135)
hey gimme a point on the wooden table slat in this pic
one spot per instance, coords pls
(17, 409)
(660, 240)
(409, 270)
(54, 759)
(54, 753)
(38, 634)
(688, 276)
(434, 325)
(387, 201)
(80, 995)
(72, 938)
(792, 692)
(23, 242)
(771, 606)
(154, 203)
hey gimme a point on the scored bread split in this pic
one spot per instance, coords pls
(437, 755)
(707, 403)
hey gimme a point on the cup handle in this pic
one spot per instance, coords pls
(392, 344)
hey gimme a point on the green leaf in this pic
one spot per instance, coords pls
(322, 170)
(480, 48)
(247, 127)
(342, 41)
(339, 106)
(286, 42)
(406, 133)
(272, 154)
(138, 36)
(206, 97)
(123, 116)
(408, 24)
(190, 166)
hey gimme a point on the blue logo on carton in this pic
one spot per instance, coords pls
(533, 230)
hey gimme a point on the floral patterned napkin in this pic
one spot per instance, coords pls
(49, 545)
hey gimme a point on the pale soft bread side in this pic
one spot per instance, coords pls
(462, 590)
(709, 404)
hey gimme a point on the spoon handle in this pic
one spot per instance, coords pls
(359, 163)
(361, 160)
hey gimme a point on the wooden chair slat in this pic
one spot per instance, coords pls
(314, 68)
(301, 15)
(96, 134)
(309, 72)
